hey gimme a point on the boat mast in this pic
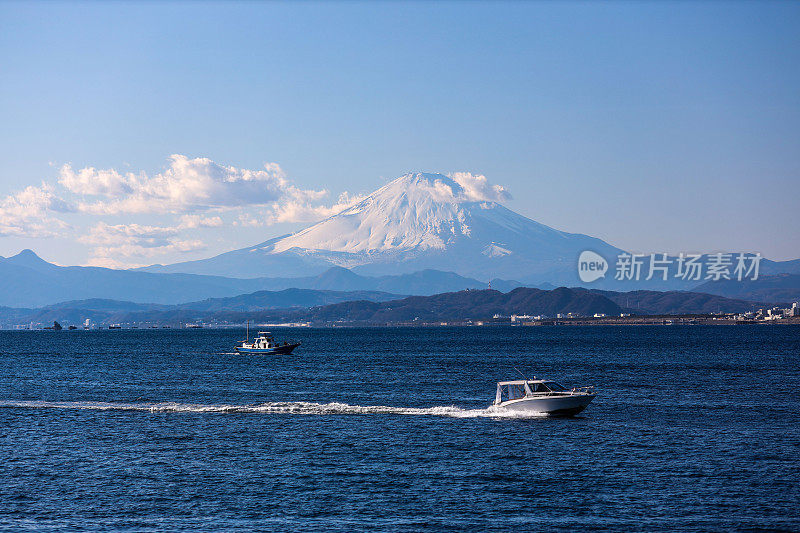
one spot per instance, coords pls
(247, 338)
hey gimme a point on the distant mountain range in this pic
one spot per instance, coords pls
(421, 234)
(678, 302)
(775, 288)
(28, 281)
(378, 307)
(113, 311)
(465, 305)
(483, 304)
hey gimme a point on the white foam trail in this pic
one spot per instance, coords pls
(295, 408)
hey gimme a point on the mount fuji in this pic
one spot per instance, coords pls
(418, 221)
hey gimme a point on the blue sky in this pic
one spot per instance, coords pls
(655, 126)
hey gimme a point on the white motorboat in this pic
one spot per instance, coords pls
(543, 396)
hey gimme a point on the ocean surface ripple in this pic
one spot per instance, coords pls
(695, 429)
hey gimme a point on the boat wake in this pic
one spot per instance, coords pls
(291, 408)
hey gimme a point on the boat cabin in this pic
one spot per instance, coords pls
(515, 390)
(263, 340)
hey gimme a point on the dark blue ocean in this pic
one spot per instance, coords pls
(695, 429)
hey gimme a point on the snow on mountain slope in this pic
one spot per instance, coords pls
(416, 211)
(418, 221)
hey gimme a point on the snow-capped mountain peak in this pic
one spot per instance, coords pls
(454, 223)
(416, 211)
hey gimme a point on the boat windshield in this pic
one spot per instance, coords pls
(547, 386)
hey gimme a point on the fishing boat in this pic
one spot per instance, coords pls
(265, 344)
(543, 396)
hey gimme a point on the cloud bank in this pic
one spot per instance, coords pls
(189, 197)
(29, 213)
(185, 186)
(135, 240)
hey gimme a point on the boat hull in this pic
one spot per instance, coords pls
(566, 405)
(278, 350)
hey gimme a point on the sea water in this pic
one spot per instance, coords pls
(694, 429)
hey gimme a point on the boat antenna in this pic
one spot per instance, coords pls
(523, 375)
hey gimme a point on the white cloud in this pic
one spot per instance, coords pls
(185, 186)
(247, 220)
(304, 211)
(189, 188)
(476, 188)
(90, 181)
(192, 195)
(199, 221)
(297, 209)
(136, 240)
(147, 236)
(28, 212)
